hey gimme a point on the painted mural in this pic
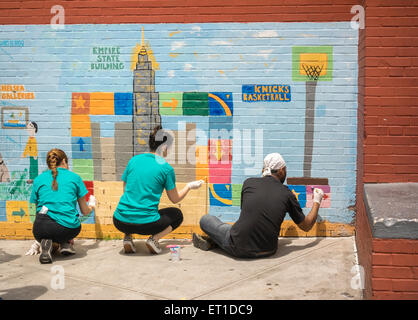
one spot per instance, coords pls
(229, 94)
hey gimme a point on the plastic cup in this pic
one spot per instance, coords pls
(175, 253)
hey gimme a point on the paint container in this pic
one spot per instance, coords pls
(175, 252)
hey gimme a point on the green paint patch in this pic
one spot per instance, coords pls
(236, 194)
(32, 212)
(84, 168)
(17, 189)
(195, 104)
(171, 103)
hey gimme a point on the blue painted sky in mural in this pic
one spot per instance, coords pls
(208, 58)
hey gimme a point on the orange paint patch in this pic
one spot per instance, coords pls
(202, 162)
(80, 125)
(102, 103)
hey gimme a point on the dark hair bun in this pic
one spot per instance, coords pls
(155, 142)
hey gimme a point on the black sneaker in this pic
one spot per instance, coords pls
(46, 248)
(202, 242)
(67, 249)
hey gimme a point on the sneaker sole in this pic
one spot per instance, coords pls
(67, 252)
(128, 248)
(201, 243)
(46, 248)
(151, 249)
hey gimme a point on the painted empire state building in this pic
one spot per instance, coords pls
(146, 115)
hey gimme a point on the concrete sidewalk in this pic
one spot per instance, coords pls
(303, 268)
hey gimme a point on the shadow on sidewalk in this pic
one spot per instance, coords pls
(142, 249)
(7, 257)
(80, 248)
(23, 293)
(284, 247)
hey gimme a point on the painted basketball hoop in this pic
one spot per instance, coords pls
(312, 72)
(310, 65)
(313, 65)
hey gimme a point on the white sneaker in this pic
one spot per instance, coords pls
(128, 245)
(153, 246)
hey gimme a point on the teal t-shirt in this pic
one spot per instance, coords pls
(146, 176)
(62, 203)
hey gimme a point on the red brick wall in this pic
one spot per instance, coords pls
(395, 269)
(387, 137)
(391, 91)
(174, 11)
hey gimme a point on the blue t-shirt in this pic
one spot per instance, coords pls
(146, 176)
(62, 203)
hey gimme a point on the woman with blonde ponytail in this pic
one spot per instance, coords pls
(56, 193)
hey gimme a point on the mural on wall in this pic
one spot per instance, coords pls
(228, 96)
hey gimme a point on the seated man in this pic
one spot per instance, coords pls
(264, 203)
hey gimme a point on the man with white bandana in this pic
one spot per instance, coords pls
(264, 204)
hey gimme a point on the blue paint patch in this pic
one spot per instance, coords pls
(221, 104)
(3, 214)
(220, 127)
(300, 193)
(225, 214)
(178, 123)
(107, 123)
(81, 148)
(222, 196)
(320, 110)
(123, 103)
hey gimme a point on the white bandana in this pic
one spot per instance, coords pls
(272, 161)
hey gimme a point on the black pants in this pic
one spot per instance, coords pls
(45, 227)
(168, 217)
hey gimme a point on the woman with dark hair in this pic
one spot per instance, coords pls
(56, 193)
(144, 180)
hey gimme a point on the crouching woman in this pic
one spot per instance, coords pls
(56, 193)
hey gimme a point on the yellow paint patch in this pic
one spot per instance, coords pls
(17, 211)
(23, 230)
(174, 32)
(134, 56)
(107, 194)
(194, 206)
(319, 60)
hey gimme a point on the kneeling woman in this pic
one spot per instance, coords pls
(56, 193)
(145, 178)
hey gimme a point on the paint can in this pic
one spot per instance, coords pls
(175, 252)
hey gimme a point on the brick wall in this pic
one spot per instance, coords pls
(390, 102)
(171, 11)
(387, 136)
(395, 269)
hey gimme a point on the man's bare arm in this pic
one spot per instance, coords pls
(310, 219)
